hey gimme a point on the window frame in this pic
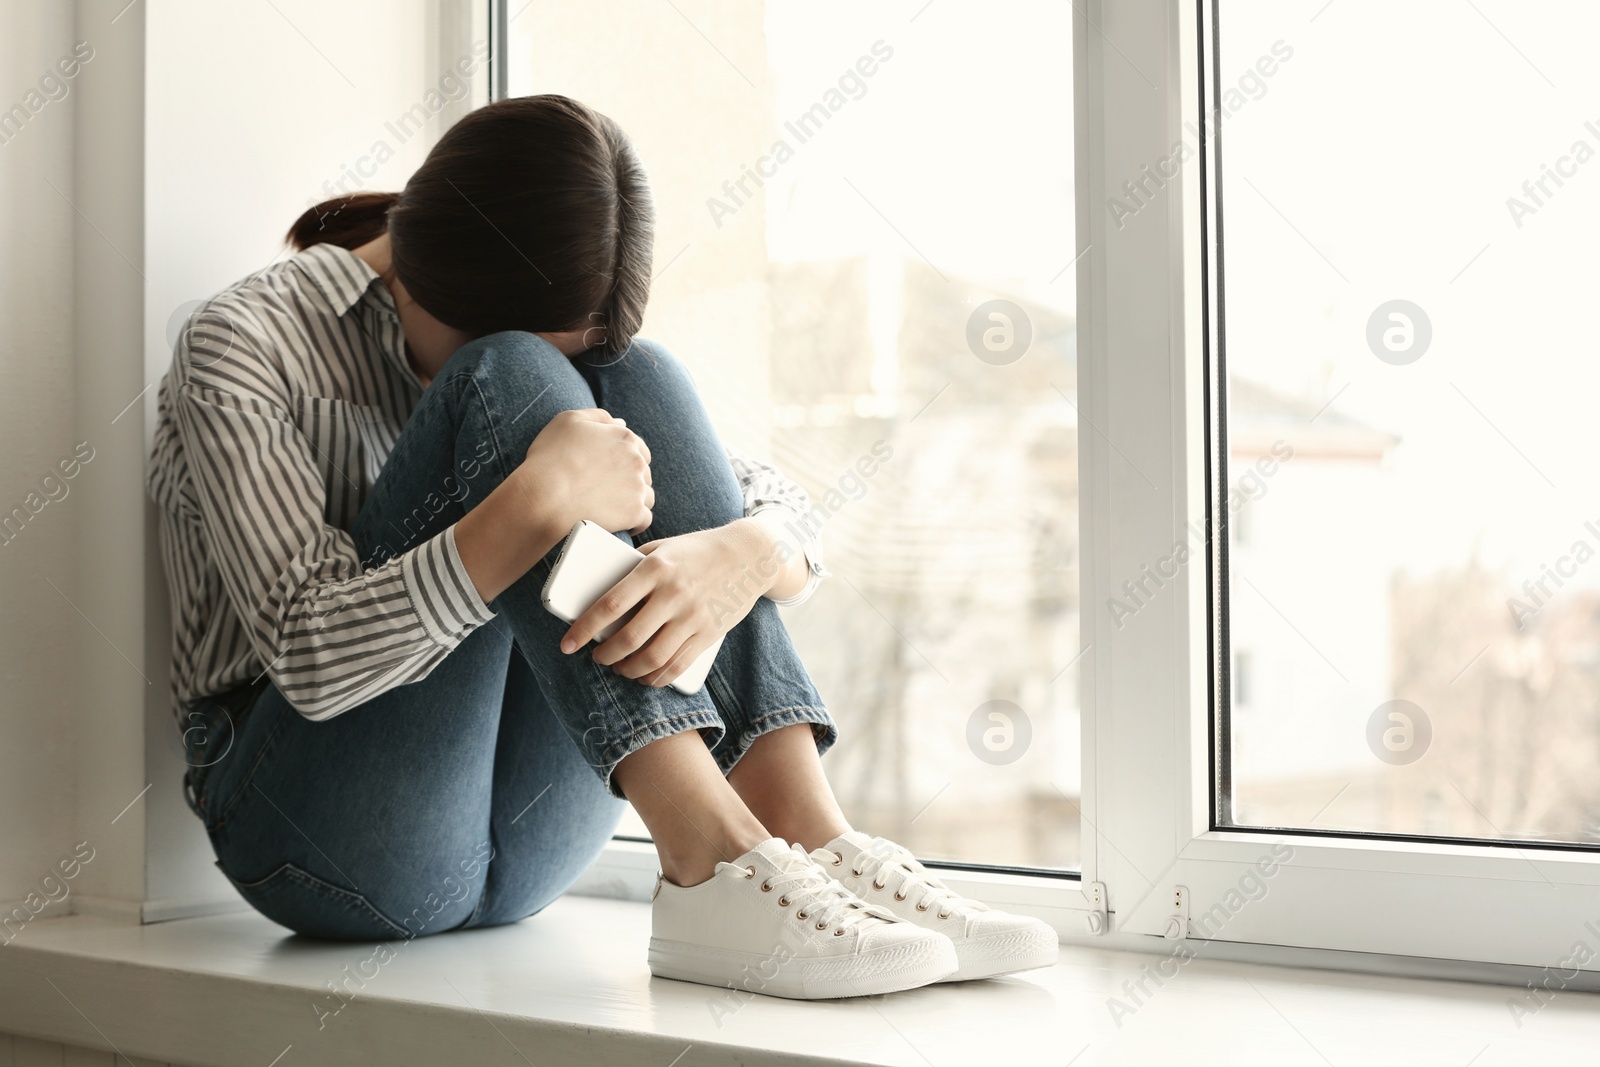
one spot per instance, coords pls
(1148, 381)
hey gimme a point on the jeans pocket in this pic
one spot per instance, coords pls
(291, 896)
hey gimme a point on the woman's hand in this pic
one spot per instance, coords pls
(583, 465)
(690, 590)
(587, 465)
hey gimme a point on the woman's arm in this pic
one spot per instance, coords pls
(330, 633)
(693, 588)
(794, 580)
(783, 511)
(583, 464)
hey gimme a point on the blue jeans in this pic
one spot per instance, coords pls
(479, 794)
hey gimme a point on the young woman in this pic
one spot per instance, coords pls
(364, 458)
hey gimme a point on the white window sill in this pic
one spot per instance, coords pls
(570, 985)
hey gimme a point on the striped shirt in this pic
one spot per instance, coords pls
(284, 397)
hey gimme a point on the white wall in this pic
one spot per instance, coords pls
(171, 165)
(112, 532)
(45, 648)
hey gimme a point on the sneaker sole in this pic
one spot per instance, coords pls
(888, 971)
(1003, 954)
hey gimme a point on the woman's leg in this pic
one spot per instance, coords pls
(758, 681)
(780, 780)
(777, 726)
(501, 390)
(549, 814)
(797, 929)
(471, 429)
(373, 824)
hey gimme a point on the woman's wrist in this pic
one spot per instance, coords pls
(541, 517)
(509, 531)
(777, 561)
(759, 551)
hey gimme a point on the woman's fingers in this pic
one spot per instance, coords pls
(682, 661)
(646, 516)
(646, 512)
(644, 625)
(658, 654)
(613, 604)
(642, 454)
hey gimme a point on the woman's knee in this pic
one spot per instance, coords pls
(508, 345)
(654, 391)
(501, 390)
(646, 361)
(513, 369)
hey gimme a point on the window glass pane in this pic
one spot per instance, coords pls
(866, 258)
(1409, 195)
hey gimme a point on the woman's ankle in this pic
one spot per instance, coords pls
(694, 816)
(690, 856)
(809, 833)
(780, 779)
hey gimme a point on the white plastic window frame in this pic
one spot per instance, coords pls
(1143, 383)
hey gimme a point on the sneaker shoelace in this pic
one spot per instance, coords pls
(818, 898)
(884, 860)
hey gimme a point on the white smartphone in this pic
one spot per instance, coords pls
(591, 562)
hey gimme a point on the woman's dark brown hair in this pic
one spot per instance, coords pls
(532, 214)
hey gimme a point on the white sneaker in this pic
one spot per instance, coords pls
(988, 943)
(774, 922)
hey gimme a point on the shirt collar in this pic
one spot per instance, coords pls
(343, 276)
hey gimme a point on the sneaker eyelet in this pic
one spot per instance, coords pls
(878, 885)
(855, 872)
(801, 915)
(899, 896)
(822, 926)
(750, 872)
(923, 906)
(766, 886)
(783, 901)
(946, 915)
(838, 858)
(839, 932)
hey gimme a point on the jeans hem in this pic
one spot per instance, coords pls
(655, 730)
(823, 730)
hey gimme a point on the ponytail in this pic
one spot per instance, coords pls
(347, 221)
